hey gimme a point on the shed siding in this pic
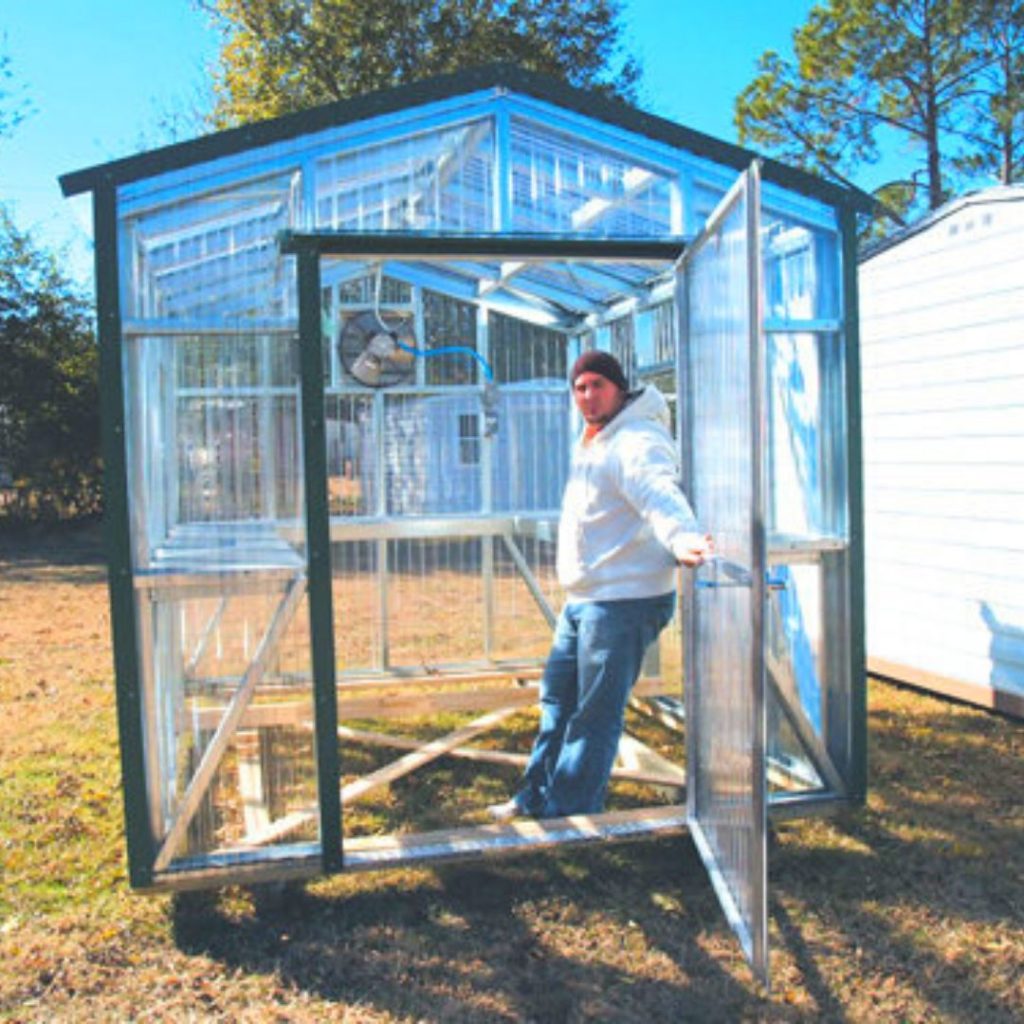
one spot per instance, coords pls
(942, 334)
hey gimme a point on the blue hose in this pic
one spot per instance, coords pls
(446, 350)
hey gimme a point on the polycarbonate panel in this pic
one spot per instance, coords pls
(802, 270)
(566, 184)
(521, 351)
(211, 255)
(219, 567)
(798, 455)
(725, 720)
(438, 181)
(796, 673)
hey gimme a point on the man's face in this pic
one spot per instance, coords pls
(597, 398)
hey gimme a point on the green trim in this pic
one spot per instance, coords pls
(318, 548)
(858, 781)
(453, 246)
(117, 535)
(432, 90)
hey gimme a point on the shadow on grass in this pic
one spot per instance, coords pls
(887, 913)
(914, 884)
(71, 553)
(496, 942)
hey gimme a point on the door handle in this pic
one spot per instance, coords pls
(736, 575)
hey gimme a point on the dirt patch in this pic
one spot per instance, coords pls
(911, 909)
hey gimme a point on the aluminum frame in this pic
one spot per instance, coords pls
(730, 826)
(696, 165)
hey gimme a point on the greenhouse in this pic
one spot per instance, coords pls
(337, 425)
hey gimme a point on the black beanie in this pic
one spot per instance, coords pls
(603, 363)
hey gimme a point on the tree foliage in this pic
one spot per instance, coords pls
(279, 56)
(994, 130)
(49, 395)
(14, 107)
(942, 77)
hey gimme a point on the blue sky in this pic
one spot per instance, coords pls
(101, 74)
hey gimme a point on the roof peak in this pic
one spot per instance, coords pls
(499, 75)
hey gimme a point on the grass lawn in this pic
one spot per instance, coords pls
(910, 909)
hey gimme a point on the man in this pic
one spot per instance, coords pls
(625, 526)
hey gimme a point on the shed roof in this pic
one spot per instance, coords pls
(499, 77)
(979, 197)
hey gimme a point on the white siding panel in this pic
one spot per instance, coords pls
(946, 451)
(968, 477)
(926, 654)
(886, 579)
(973, 364)
(942, 423)
(942, 357)
(948, 609)
(952, 501)
(972, 394)
(962, 311)
(973, 641)
(997, 332)
(993, 562)
(997, 534)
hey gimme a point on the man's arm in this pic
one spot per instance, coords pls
(650, 483)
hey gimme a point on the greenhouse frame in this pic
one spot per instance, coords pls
(334, 356)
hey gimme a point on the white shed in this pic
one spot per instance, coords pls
(942, 348)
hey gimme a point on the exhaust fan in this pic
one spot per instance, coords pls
(378, 349)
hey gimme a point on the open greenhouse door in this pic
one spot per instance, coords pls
(719, 292)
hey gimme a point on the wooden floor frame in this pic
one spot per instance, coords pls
(497, 693)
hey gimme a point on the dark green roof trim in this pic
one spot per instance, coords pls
(504, 246)
(442, 87)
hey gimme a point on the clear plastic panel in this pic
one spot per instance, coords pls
(212, 255)
(725, 723)
(655, 338)
(797, 674)
(806, 419)
(218, 536)
(802, 270)
(439, 181)
(521, 351)
(563, 184)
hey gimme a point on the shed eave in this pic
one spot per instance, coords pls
(980, 197)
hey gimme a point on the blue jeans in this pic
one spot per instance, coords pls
(595, 659)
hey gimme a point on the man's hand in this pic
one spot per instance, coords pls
(696, 550)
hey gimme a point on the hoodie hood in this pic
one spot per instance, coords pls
(646, 404)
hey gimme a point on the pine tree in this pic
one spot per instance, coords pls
(874, 74)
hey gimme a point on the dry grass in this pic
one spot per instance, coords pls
(911, 909)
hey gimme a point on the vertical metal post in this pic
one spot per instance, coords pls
(486, 469)
(382, 656)
(684, 426)
(117, 530)
(502, 175)
(268, 449)
(858, 712)
(759, 491)
(318, 549)
(834, 582)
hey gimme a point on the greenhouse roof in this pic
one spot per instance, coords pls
(498, 77)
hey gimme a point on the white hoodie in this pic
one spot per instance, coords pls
(625, 521)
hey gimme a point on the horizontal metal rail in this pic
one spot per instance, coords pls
(454, 246)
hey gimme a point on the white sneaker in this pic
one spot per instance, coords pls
(504, 812)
